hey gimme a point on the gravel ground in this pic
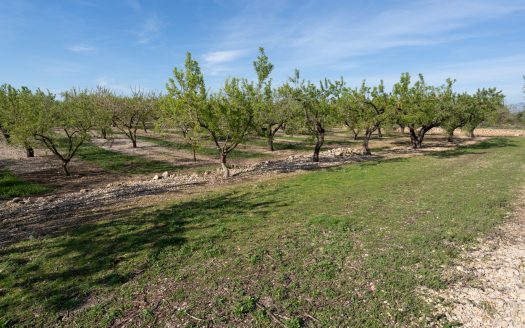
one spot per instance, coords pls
(493, 293)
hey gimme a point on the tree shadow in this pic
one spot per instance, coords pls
(488, 144)
(61, 273)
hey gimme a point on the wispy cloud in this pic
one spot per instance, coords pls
(335, 35)
(150, 30)
(220, 57)
(81, 48)
(134, 4)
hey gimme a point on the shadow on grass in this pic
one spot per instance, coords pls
(488, 144)
(118, 162)
(12, 186)
(60, 273)
(202, 150)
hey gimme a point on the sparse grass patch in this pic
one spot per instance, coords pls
(203, 150)
(346, 246)
(118, 162)
(11, 186)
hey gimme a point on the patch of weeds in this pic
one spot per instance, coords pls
(245, 306)
(293, 323)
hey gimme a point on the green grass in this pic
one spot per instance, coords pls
(203, 150)
(122, 163)
(11, 186)
(280, 144)
(348, 246)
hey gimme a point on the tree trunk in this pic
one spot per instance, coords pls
(471, 134)
(318, 145)
(30, 152)
(5, 134)
(450, 135)
(356, 133)
(134, 142)
(401, 129)
(368, 134)
(104, 133)
(414, 138)
(379, 133)
(225, 169)
(270, 141)
(64, 167)
(194, 155)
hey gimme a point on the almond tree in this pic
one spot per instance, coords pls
(456, 116)
(224, 116)
(13, 104)
(318, 104)
(173, 114)
(366, 108)
(270, 111)
(229, 117)
(65, 126)
(103, 99)
(417, 107)
(62, 127)
(131, 113)
(483, 105)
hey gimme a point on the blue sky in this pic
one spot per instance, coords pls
(136, 43)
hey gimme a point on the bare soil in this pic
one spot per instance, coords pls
(492, 290)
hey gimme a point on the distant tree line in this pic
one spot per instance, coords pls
(242, 107)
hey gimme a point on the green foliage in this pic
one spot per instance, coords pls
(318, 106)
(364, 108)
(482, 106)
(420, 106)
(12, 186)
(271, 109)
(131, 113)
(224, 116)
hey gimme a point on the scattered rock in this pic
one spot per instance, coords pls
(16, 200)
(156, 177)
(165, 175)
(493, 296)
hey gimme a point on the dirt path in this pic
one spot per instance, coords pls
(493, 291)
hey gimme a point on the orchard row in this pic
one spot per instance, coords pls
(239, 108)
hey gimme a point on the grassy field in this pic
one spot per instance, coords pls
(203, 150)
(11, 186)
(118, 162)
(348, 246)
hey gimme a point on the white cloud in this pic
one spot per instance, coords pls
(151, 29)
(220, 57)
(81, 48)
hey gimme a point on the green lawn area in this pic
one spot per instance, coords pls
(11, 186)
(123, 163)
(203, 150)
(349, 246)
